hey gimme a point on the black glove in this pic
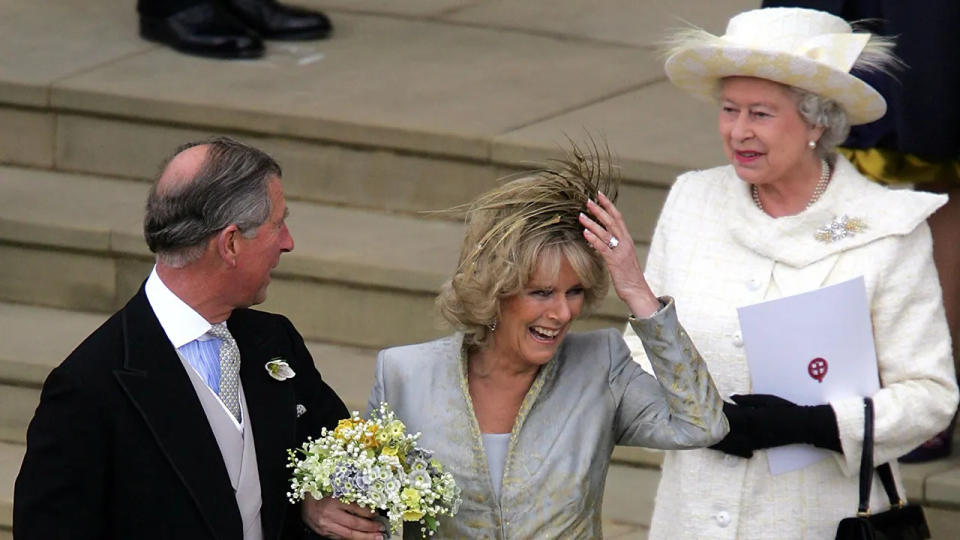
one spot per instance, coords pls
(764, 421)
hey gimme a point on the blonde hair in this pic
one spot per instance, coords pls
(516, 227)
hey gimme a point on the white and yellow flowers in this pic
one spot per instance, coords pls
(376, 464)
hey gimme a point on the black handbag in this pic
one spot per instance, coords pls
(902, 521)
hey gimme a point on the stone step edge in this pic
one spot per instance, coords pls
(928, 484)
(483, 150)
(113, 242)
(10, 454)
(15, 372)
(293, 268)
(27, 375)
(122, 244)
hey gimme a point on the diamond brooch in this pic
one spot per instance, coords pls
(840, 228)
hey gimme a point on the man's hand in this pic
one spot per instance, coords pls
(333, 519)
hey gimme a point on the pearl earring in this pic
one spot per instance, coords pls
(811, 144)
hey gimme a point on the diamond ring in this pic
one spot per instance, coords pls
(613, 242)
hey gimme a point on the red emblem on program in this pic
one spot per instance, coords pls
(817, 368)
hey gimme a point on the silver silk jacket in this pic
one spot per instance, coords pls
(714, 250)
(589, 397)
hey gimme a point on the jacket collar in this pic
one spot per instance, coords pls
(792, 240)
(456, 352)
(154, 379)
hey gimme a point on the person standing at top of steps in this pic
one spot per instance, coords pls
(227, 28)
(173, 419)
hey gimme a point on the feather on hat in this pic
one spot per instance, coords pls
(804, 48)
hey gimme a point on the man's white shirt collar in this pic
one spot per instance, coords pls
(179, 321)
(182, 325)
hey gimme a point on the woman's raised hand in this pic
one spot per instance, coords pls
(612, 241)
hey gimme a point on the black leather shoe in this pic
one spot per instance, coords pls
(272, 20)
(204, 30)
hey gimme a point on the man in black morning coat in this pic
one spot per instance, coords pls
(137, 436)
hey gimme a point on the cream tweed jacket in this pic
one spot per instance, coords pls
(589, 397)
(715, 251)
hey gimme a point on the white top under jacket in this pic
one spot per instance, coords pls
(714, 250)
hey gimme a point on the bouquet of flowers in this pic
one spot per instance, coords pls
(375, 464)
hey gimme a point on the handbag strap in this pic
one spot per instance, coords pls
(866, 459)
(866, 466)
(886, 477)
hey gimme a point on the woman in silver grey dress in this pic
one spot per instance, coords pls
(523, 413)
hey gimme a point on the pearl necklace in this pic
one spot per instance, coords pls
(817, 191)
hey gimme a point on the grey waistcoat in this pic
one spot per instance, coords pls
(239, 453)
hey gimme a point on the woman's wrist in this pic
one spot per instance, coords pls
(644, 306)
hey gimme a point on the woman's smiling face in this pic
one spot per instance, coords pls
(534, 322)
(764, 136)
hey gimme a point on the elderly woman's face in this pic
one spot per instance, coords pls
(763, 134)
(534, 322)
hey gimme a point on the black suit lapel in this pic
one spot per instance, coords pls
(272, 408)
(156, 382)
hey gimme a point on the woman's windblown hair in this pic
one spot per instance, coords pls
(530, 220)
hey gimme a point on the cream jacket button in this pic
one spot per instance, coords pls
(753, 284)
(723, 518)
(737, 339)
(731, 461)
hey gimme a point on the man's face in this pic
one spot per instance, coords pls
(258, 255)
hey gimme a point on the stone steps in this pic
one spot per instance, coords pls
(356, 277)
(369, 134)
(28, 354)
(628, 498)
(357, 121)
(626, 516)
(11, 455)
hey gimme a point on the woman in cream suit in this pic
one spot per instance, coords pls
(522, 412)
(788, 215)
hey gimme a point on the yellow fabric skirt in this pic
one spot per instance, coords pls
(892, 167)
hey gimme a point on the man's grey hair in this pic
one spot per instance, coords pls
(229, 189)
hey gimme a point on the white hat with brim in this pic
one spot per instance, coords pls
(805, 48)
